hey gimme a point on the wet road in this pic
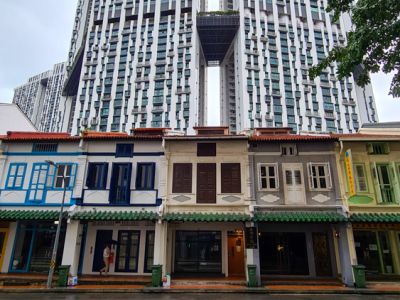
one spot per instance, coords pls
(188, 297)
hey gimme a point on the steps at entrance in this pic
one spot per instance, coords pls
(307, 282)
(210, 281)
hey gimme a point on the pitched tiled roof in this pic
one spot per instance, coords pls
(292, 137)
(207, 217)
(34, 136)
(366, 137)
(299, 217)
(375, 217)
(17, 215)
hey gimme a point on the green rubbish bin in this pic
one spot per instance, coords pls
(63, 273)
(252, 276)
(359, 276)
(156, 276)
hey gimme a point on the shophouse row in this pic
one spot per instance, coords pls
(209, 204)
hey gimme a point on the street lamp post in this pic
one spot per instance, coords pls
(57, 239)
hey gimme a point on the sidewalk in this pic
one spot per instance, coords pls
(392, 288)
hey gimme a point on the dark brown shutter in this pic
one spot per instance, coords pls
(230, 178)
(206, 149)
(182, 178)
(206, 183)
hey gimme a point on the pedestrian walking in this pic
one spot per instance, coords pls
(106, 259)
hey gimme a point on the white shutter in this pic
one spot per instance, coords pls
(395, 182)
(375, 179)
(309, 168)
(328, 176)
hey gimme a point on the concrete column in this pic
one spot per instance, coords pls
(12, 231)
(253, 257)
(72, 246)
(347, 253)
(160, 244)
(394, 249)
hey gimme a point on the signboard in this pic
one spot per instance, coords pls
(348, 162)
(251, 237)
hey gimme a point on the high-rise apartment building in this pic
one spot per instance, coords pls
(264, 76)
(39, 99)
(136, 64)
(143, 63)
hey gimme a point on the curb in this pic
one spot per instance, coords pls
(150, 290)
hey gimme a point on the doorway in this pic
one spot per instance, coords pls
(294, 184)
(322, 257)
(235, 254)
(3, 243)
(102, 238)
(128, 251)
(283, 253)
(198, 252)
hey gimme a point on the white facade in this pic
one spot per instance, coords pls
(39, 99)
(141, 66)
(276, 44)
(13, 119)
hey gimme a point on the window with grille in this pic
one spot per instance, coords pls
(44, 147)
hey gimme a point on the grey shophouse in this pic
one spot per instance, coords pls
(298, 209)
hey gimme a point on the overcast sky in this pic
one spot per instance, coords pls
(35, 35)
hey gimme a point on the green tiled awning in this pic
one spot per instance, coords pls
(115, 216)
(375, 217)
(207, 217)
(300, 217)
(20, 215)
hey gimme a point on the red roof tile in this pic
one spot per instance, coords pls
(364, 136)
(292, 137)
(33, 136)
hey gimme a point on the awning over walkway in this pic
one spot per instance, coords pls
(375, 217)
(300, 217)
(207, 217)
(115, 216)
(22, 215)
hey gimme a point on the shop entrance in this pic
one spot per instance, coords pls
(198, 252)
(128, 251)
(235, 254)
(322, 257)
(373, 251)
(33, 247)
(283, 253)
(3, 242)
(102, 238)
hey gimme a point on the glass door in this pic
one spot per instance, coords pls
(198, 252)
(128, 251)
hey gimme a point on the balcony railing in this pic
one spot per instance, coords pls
(387, 194)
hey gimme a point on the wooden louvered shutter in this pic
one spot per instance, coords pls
(230, 178)
(182, 178)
